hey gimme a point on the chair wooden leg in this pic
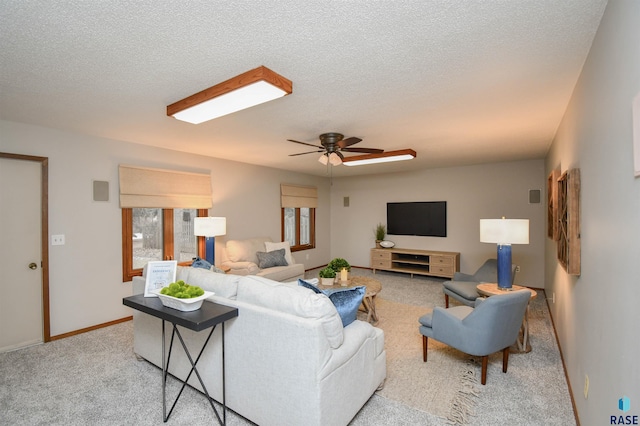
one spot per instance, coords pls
(424, 348)
(446, 300)
(505, 359)
(485, 362)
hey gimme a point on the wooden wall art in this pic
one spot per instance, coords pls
(552, 204)
(568, 221)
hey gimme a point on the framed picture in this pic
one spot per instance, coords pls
(636, 135)
(159, 274)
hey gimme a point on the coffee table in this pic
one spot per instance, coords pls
(492, 289)
(373, 287)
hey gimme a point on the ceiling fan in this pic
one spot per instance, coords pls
(332, 145)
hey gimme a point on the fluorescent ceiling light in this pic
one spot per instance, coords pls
(251, 88)
(383, 157)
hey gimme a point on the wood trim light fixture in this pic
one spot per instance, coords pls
(243, 91)
(383, 157)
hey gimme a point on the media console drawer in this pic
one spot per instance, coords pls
(421, 262)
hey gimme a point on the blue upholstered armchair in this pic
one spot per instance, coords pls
(491, 326)
(463, 286)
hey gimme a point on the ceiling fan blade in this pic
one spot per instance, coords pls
(348, 142)
(364, 150)
(305, 143)
(303, 153)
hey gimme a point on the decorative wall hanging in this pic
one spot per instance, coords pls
(552, 204)
(568, 186)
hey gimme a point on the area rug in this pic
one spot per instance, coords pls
(445, 386)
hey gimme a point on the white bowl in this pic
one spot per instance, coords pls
(387, 244)
(184, 305)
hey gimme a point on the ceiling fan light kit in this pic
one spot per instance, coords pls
(251, 88)
(384, 157)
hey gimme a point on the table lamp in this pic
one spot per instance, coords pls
(210, 227)
(504, 232)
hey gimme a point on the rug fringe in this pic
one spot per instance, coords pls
(466, 399)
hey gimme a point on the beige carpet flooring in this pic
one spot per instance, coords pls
(445, 386)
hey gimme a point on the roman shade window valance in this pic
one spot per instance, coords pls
(294, 196)
(142, 187)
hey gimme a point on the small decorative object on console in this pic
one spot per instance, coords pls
(387, 244)
(184, 305)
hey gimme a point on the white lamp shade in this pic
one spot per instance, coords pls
(504, 231)
(209, 226)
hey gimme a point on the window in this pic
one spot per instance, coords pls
(299, 227)
(158, 234)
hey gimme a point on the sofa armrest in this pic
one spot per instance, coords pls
(355, 335)
(138, 284)
(241, 268)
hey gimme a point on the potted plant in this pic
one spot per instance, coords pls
(341, 268)
(380, 232)
(327, 275)
(338, 263)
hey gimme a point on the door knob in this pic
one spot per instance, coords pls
(33, 265)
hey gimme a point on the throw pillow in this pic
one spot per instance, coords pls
(200, 263)
(347, 300)
(283, 245)
(303, 283)
(271, 259)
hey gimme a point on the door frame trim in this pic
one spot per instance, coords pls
(44, 237)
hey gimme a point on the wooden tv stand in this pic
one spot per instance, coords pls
(419, 262)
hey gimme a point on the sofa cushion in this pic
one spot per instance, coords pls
(222, 285)
(245, 250)
(269, 246)
(282, 273)
(293, 300)
(271, 259)
(346, 300)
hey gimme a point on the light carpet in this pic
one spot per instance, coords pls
(446, 386)
(533, 392)
(94, 378)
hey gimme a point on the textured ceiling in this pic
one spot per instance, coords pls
(460, 82)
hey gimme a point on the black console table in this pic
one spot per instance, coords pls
(208, 316)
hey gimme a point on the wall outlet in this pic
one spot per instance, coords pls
(586, 386)
(307, 256)
(57, 240)
(554, 297)
(517, 268)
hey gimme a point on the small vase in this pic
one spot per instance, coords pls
(378, 244)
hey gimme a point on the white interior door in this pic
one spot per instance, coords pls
(21, 313)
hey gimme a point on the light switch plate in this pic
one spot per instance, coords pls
(57, 240)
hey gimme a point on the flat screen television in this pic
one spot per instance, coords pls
(424, 218)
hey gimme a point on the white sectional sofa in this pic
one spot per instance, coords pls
(289, 360)
(240, 258)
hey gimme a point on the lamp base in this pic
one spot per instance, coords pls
(210, 249)
(504, 267)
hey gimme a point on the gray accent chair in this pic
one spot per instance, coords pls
(463, 286)
(492, 326)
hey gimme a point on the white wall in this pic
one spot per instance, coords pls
(86, 273)
(472, 193)
(596, 314)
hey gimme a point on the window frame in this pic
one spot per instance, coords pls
(312, 228)
(128, 272)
